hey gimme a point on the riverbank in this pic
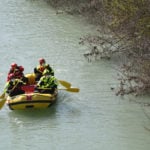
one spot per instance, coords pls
(128, 25)
(91, 10)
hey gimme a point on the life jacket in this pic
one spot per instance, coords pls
(46, 66)
(48, 82)
(40, 68)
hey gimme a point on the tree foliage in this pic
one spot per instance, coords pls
(131, 18)
(127, 24)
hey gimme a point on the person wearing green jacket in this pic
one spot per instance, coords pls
(40, 69)
(47, 83)
(13, 86)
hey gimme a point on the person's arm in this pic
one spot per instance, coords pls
(40, 83)
(50, 69)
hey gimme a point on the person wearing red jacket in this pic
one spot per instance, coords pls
(13, 67)
(17, 72)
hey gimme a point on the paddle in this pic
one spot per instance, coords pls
(2, 102)
(2, 96)
(66, 89)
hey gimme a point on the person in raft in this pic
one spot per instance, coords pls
(47, 83)
(17, 71)
(13, 86)
(38, 71)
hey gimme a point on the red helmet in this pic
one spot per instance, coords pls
(13, 65)
(41, 61)
(21, 68)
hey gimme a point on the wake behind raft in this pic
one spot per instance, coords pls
(33, 99)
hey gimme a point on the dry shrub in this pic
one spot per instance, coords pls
(125, 30)
(129, 23)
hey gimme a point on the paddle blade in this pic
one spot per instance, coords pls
(73, 89)
(2, 96)
(65, 83)
(2, 102)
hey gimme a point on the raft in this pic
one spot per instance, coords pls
(31, 98)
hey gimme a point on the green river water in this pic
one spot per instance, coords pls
(94, 119)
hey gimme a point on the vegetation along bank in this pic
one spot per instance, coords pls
(128, 25)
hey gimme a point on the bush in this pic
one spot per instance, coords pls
(124, 29)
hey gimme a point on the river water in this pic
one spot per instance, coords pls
(93, 119)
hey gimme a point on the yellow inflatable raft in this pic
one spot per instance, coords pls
(31, 100)
(34, 97)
